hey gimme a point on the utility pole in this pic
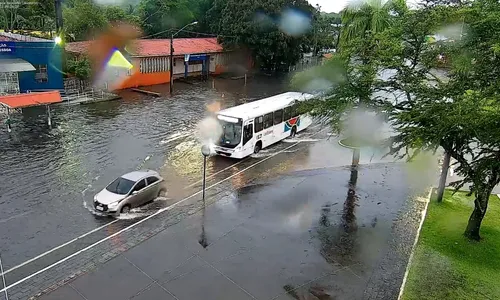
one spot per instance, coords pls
(59, 17)
(171, 63)
(172, 55)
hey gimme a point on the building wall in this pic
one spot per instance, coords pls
(38, 53)
(155, 70)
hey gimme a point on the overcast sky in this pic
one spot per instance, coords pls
(338, 5)
(329, 5)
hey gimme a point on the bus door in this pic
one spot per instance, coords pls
(248, 144)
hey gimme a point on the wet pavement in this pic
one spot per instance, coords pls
(310, 234)
(304, 207)
(48, 176)
(49, 235)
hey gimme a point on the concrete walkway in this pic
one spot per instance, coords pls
(296, 237)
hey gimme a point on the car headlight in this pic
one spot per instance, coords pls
(113, 205)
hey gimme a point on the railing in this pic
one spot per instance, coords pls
(72, 95)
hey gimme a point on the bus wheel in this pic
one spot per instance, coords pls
(257, 148)
(293, 132)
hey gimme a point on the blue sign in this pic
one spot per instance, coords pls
(193, 57)
(7, 47)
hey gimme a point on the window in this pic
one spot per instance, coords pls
(151, 180)
(295, 110)
(247, 133)
(41, 73)
(287, 115)
(278, 117)
(120, 186)
(268, 120)
(140, 185)
(259, 124)
(231, 133)
(154, 64)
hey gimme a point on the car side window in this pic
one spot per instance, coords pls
(151, 180)
(140, 185)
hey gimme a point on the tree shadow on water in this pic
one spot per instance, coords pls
(339, 243)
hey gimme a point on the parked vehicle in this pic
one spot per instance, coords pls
(251, 127)
(128, 191)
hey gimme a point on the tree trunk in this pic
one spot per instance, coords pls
(480, 206)
(444, 175)
(355, 157)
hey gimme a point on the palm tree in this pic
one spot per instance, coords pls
(361, 22)
(369, 17)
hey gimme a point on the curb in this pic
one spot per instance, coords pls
(424, 214)
(346, 146)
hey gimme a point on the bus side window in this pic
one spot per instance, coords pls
(259, 124)
(247, 133)
(295, 110)
(268, 120)
(278, 117)
(287, 114)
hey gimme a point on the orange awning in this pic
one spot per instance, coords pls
(30, 99)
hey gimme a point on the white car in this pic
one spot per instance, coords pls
(128, 191)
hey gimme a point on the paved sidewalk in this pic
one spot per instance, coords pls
(295, 237)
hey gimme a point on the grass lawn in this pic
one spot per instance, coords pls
(445, 264)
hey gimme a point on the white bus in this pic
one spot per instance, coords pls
(253, 126)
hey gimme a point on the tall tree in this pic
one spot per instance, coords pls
(159, 16)
(366, 18)
(263, 28)
(82, 18)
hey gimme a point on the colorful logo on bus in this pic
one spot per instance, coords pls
(292, 122)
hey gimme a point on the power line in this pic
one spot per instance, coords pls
(188, 31)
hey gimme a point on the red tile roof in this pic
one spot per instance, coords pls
(30, 99)
(160, 47)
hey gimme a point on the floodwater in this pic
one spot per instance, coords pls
(49, 176)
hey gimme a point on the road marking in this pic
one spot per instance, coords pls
(59, 247)
(195, 183)
(145, 219)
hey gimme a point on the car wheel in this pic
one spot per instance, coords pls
(125, 209)
(162, 193)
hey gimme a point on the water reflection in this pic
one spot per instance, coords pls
(339, 243)
(45, 171)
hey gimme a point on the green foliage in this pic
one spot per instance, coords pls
(115, 14)
(325, 31)
(391, 67)
(37, 15)
(253, 25)
(82, 18)
(448, 266)
(80, 68)
(159, 16)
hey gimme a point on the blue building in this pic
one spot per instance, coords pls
(29, 64)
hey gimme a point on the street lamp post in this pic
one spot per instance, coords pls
(172, 55)
(205, 150)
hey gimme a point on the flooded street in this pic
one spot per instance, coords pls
(48, 176)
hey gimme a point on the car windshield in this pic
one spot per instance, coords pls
(231, 134)
(120, 186)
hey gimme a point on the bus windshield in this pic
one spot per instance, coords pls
(231, 134)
